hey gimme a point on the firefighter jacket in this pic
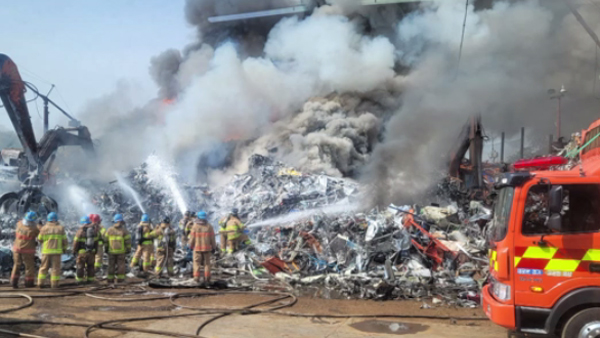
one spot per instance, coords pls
(53, 239)
(148, 234)
(160, 234)
(118, 239)
(183, 223)
(234, 227)
(101, 231)
(223, 223)
(79, 242)
(25, 237)
(202, 237)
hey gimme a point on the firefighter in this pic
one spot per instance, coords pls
(187, 218)
(54, 243)
(118, 242)
(24, 250)
(85, 245)
(167, 240)
(145, 248)
(235, 232)
(100, 230)
(202, 242)
(153, 255)
(223, 234)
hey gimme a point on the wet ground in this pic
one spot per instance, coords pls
(86, 310)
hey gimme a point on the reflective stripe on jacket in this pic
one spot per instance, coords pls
(159, 233)
(53, 239)
(101, 231)
(202, 237)
(81, 237)
(233, 227)
(118, 239)
(25, 238)
(148, 234)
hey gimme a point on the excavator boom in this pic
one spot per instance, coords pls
(12, 93)
(33, 163)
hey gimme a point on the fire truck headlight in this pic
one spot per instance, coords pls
(501, 291)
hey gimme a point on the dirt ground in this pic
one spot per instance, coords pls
(127, 302)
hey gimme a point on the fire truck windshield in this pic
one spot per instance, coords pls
(499, 226)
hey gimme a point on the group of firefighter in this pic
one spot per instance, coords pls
(92, 240)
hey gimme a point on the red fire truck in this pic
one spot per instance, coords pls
(545, 247)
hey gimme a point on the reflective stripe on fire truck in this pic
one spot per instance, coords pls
(493, 259)
(553, 259)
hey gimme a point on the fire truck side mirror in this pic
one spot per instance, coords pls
(555, 222)
(555, 203)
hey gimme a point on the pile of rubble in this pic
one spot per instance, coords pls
(270, 189)
(311, 232)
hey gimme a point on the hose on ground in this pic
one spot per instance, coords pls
(17, 295)
(285, 300)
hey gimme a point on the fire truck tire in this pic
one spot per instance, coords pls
(584, 324)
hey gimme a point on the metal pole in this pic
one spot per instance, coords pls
(582, 22)
(502, 148)
(46, 116)
(50, 101)
(550, 140)
(558, 120)
(522, 142)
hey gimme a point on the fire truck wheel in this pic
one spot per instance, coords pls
(585, 324)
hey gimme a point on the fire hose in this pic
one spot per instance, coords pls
(116, 325)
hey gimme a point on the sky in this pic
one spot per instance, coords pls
(86, 47)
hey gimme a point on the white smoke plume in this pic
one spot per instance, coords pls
(225, 96)
(329, 135)
(513, 52)
(251, 83)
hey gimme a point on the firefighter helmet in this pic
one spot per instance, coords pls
(52, 217)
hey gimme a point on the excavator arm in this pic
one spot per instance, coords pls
(470, 140)
(36, 157)
(59, 137)
(12, 93)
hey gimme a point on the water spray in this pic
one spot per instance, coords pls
(292, 217)
(81, 200)
(164, 175)
(129, 189)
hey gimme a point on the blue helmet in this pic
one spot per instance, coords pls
(201, 215)
(145, 218)
(31, 216)
(85, 220)
(118, 218)
(52, 217)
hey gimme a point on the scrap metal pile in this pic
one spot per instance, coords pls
(311, 232)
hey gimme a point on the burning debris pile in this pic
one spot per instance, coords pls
(308, 230)
(334, 135)
(271, 193)
(311, 232)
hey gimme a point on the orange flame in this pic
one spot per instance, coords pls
(168, 102)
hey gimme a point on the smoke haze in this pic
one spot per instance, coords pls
(513, 53)
(321, 92)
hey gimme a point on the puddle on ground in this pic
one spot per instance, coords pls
(381, 326)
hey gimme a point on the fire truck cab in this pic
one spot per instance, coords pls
(545, 249)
